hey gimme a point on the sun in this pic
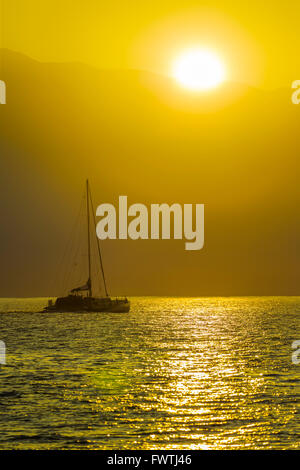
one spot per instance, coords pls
(199, 69)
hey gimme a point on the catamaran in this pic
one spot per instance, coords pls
(82, 299)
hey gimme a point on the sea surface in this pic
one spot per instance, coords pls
(174, 373)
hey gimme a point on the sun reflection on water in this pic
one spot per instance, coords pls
(173, 374)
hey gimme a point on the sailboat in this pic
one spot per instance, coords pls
(82, 299)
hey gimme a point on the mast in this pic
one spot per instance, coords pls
(99, 250)
(88, 237)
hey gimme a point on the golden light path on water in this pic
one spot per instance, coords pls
(173, 374)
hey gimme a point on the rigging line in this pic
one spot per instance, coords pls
(98, 275)
(74, 254)
(60, 264)
(74, 236)
(69, 248)
(98, 245)
(73, 264)
(88, 237)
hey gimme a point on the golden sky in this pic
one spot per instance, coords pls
(257, 40)
(236, 150)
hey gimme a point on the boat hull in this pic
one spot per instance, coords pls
(76, 303)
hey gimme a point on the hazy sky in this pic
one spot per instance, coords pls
(236, 150)
(258, 40)
(240, 157)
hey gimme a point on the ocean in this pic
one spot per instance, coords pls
(174, 373)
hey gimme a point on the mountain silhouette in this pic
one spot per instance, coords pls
(139, 134)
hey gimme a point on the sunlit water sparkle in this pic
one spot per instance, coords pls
(206, 373)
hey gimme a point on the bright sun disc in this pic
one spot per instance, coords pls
(199, 70)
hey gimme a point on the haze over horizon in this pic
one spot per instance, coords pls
(142, 137)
